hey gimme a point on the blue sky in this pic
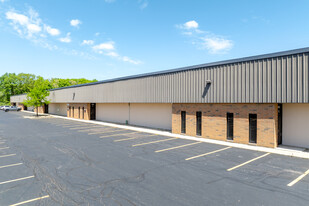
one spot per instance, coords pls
(102, 39)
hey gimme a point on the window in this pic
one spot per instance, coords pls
(78, 112)
(252, 128)
(230, 126)
(73, 112)
(83, 112)
(69, 111)
(199, 123)
(183, 122)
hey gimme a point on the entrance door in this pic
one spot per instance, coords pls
(25, 108)
(183, 122)
(252, 128)
(279, 124)
(199, 123)
(230, 126)
(92, 111)
(45, 108)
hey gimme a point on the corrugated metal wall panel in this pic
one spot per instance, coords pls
(282, 79)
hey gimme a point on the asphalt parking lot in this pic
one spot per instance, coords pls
(53, 161)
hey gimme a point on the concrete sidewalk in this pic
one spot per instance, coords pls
(281, 150)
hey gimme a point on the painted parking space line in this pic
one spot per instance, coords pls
(32, 200)
(15, 180)
(84, 127)
(181, 146)
(4, 166)
(153, 142)
(298, 179)
(9, 155)
(4, 148)
(240, 165)
(118, 134)
(90, 128)
(2, 142)
(120, 140)
(208, 153)
(103, 131)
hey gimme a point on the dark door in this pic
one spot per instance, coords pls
(279, 124)
(252, 128)
(45, 108)
(183, 122)
(230, 126)
(199, 123)
(92, 111)
(25, 108)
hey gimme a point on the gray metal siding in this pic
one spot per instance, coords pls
(282, 79)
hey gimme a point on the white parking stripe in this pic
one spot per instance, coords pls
(248, 162)
(298, 179)
(10, 165)
(15, 180)
(118, 134)
(32, 200)
(208, 153)
(120, 140)
(9, 155)
(4, 148)
(181, 146)
(163, 140)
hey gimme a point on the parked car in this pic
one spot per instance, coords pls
(12, 108)
(4, 107)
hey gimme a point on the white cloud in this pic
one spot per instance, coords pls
(66, 39)
(110, 1)
(26, 26)
(52, 31)
(75, 22)
(104, 46)
(88, 42)
(127, 59)
(108, 49)
(17, 18)
(97, 34)
(217, 44)
(204, 39)
(33, 28)
(2, 1)
(190, 25)
(112, 54)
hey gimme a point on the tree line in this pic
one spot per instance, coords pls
(14, 84)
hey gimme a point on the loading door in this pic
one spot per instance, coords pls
(295, 125)
(252, 128)
(92, 111)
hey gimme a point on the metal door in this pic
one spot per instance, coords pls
(252, 128)
(230, 126)
(92, 111)
(183, 122)
(199, 123)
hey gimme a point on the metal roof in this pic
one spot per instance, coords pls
(218, 63)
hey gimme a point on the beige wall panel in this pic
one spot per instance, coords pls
(151, 115)
(295, 121)
(117, 113)
(58, 109)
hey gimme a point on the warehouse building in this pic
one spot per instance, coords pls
(260, 100)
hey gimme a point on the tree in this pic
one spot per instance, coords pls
(37, 96)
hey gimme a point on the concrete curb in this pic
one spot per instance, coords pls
(292, 152)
